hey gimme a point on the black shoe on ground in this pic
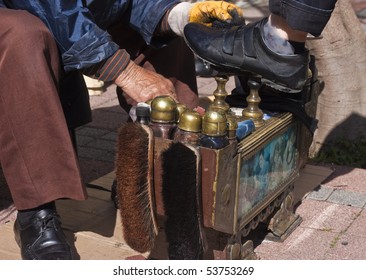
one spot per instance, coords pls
(240, 50)
(41, 237)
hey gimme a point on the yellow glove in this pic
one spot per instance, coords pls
(208, 11)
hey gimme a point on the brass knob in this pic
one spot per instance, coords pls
(163, 109)
(180, 109)
(232, 125)
(190, 121)
(214, 123)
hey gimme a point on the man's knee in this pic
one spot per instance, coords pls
(19, 27)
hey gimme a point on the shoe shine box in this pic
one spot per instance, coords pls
(248, 182)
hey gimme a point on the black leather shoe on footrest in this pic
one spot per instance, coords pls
(204, 69)
(241, 50)
(41, 238)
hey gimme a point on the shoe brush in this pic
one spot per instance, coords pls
(135, 193)
(181, 195)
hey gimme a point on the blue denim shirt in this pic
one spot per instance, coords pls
(79, 26)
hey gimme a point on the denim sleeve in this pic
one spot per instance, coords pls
(2, 5)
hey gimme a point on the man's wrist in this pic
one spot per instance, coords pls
(128, 71)
(178, 17)
(111, 68)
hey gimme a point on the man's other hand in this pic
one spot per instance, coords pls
(141, 85)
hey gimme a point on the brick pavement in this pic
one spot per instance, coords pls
(333, 222)
(96, 140)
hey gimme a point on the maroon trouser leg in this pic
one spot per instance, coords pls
(36, 152)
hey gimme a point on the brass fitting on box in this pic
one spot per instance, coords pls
(214, 123)
(163, 109)
(190, 121)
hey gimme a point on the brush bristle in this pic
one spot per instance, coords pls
(134, 187)
(180, 202)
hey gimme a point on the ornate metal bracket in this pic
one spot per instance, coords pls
(220, 94)
(239, 251)
(284, 221)
(252, 111)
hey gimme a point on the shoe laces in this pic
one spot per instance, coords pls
(50, 221)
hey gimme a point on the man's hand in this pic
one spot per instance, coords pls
(141, 85)
(209, 11)
(206, 12)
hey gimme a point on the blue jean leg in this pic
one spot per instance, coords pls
(309, 16)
